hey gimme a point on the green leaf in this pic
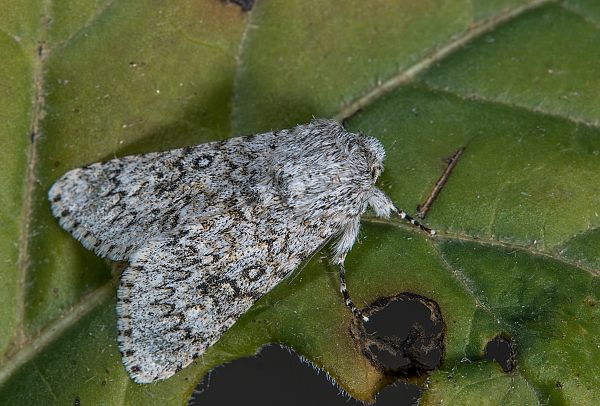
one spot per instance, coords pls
(513, 82)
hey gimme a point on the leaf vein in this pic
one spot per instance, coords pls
(456, 43)
(493, 243)
(572, 10)
(38, 105)
(64, 43)
(474, 97)
(45, 381)
(238, 67)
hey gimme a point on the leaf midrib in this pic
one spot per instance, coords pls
(38, 102)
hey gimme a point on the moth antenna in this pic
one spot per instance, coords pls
(405, 216)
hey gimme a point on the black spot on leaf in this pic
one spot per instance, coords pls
(404, 334)
(502, 350)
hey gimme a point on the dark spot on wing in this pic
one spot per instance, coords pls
(203, 161)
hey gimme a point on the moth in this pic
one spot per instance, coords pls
(209, 229)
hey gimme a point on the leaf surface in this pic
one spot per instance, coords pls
(513, 82)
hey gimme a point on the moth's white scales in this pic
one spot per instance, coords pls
(208, 230)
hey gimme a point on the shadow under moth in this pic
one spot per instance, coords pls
(209, 229)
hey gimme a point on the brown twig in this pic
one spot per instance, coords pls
(451, 163)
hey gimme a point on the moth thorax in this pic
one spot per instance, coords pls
(324, 193)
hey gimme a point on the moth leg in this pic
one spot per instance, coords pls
(346, 295)
(404, 216)
(343, 246)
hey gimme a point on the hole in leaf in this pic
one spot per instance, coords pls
(501, 350)
(277, 377)
(404, 334)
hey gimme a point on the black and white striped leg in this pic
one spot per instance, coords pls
(404, 216)
(346, 295)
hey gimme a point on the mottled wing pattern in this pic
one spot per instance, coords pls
(183, 291)
(113, 207)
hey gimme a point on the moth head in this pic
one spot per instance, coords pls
(374, 155)
(322, 168)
